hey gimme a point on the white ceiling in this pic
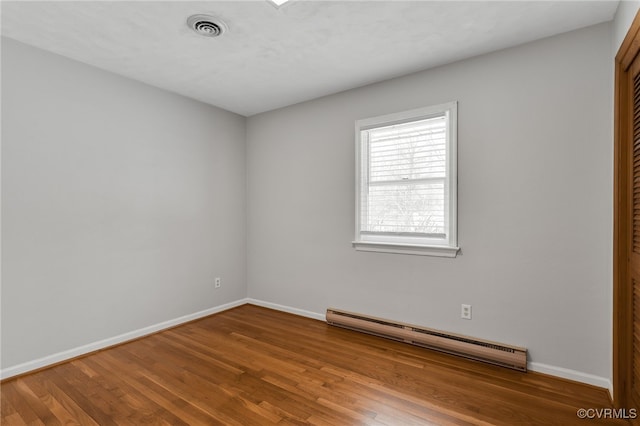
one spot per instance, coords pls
(272, 57)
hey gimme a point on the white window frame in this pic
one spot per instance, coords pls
(407, 244)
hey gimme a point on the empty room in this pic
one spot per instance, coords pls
(320, 212)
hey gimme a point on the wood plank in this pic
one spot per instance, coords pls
(255, 366)
(20, 403)
(62, 415)
(159, 395)
(40, 410)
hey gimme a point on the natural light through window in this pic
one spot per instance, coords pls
(278, 2)
(406, 182)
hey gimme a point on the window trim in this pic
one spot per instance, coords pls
(406, 245)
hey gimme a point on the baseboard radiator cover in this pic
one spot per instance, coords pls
(468, 347)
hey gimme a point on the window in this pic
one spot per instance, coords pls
(406, 182)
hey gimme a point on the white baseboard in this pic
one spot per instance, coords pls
(91, 347)
(288, 309)
(611, 390)
(576, 376)
(565, 373)
(15, 370)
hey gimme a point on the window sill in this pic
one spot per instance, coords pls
(413, 249)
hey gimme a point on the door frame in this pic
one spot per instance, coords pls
(623, 220)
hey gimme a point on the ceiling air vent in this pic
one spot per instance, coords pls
(207, 26)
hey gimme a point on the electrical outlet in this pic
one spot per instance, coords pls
(465, 312)
(218, 282)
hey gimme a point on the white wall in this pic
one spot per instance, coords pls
(120, 204)
(625, 13)
(535, 204)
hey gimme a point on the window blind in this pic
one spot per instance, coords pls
(404, 170)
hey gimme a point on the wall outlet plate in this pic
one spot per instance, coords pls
(218, 282)
(465, 312)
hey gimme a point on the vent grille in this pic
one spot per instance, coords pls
(206, 26)
(464, 346)
(465, 340)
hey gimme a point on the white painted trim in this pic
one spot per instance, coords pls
(409, 245)
(111, 341)
(15, 370)
(439, 251)
(576, 376)
(610, 389)
(289, 309)
(564, 373)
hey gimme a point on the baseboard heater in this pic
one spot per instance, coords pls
(455, 344)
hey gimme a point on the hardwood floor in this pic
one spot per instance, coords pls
(255, 366)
